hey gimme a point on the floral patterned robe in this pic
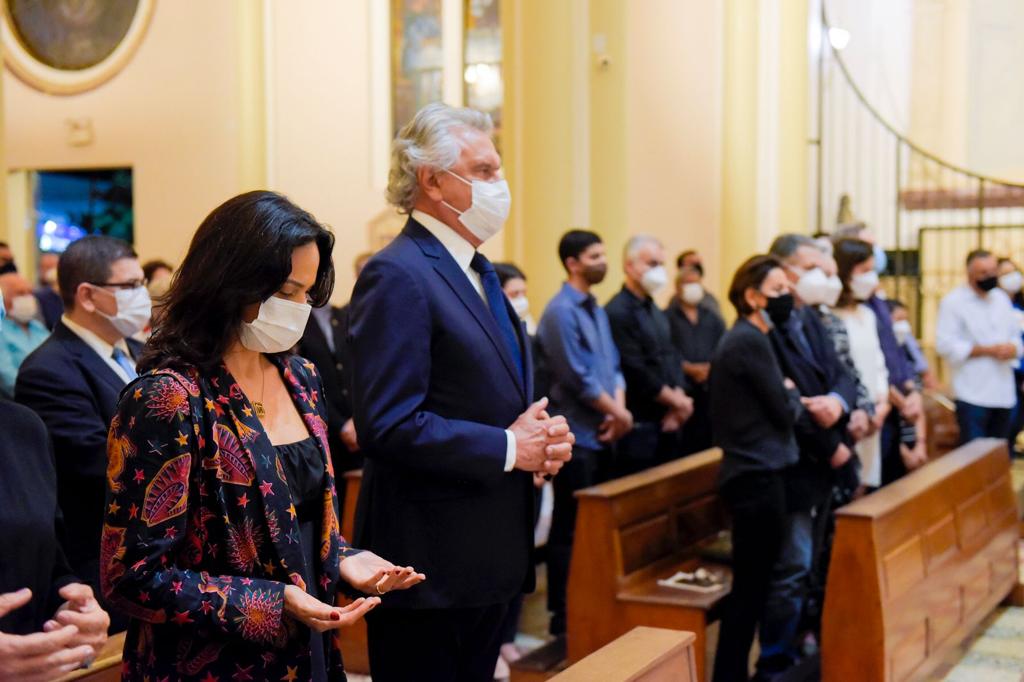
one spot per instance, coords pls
(201, 536)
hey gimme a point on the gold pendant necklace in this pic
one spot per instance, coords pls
(258, 404)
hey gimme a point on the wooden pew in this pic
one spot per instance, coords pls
(917, 565)
(640, 655)
(353, 638)
(106, 667)
(940, 419)
(630, 533)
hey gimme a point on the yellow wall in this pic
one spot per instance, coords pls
(172, 115)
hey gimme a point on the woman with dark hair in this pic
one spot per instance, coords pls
(221, 538)
(753, 410)
(855, 261)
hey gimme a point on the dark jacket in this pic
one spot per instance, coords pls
(30, 520)
(434, 388)
(201, 536)
(75, 393)
(335, 368)
(818, 373)
(752, 412)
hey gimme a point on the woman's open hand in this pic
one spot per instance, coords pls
(370, 573)
(307, 609)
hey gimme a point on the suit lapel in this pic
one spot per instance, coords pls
(93, 363)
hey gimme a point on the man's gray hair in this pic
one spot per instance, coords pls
(785, 245)
(430, 139)
(636, 243)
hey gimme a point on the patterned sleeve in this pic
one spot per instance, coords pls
(841, 341)
(152, 447)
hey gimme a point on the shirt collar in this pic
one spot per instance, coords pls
(102, 348)
(461, 250)
(575, 295)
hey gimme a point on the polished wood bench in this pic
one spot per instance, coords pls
(641, 655)
(106, 667)
(917, 565)
(630, 533)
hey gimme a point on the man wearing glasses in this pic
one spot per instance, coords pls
(73, 380)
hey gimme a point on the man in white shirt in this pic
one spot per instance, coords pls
(441, 388)
(979, 336)
(73, 381)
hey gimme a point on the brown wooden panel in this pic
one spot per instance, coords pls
(940, 543)
(698, 520)
(971, 520)
(644, 654)
(645, 542)
(945, 613)
(903, 568)
(909, 653)
(976, 587)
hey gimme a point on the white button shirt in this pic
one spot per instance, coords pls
(966, 320)
(462, 252)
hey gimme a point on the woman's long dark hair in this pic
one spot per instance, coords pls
(849, 253)
(241, 254)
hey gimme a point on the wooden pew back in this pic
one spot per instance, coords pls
(917, 565)
(641, 655)
(629, 533)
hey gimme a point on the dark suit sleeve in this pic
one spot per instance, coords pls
(390, 335)
(69, 411)
(640, 378)
(840, 381)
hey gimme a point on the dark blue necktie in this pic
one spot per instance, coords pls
(496, 302)
(122, 359)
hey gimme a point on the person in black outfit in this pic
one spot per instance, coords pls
(696, 331)
(655, 383)
(38, 590)
(72, 381)
(753, 410)
(324, 343)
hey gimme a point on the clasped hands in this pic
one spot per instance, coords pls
(543, 443)
(680, 410)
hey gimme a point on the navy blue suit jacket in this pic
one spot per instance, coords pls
(433, 389)
(75, 393)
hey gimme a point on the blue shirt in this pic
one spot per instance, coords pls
(15, 345)
(576, 340)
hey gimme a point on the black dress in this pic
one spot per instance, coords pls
(305, 469)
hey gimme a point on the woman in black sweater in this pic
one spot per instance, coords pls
(753, 410)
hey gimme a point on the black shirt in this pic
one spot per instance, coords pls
(752, 412)
(696, 342)
(647, 355)
(30, 520)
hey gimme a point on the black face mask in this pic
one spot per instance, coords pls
(988, 284)
(779, 309)
(594, 274)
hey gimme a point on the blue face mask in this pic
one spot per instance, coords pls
(881, 259)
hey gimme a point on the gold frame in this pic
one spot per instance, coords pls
(60, 82)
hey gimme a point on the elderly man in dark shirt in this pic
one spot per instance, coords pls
(652, 367)
(696, 331)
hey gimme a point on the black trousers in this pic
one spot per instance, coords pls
(757, 502)
(586, 468)
(434, 645)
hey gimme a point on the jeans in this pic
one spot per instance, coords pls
(788, 590)
(757, 503)
(982, 422)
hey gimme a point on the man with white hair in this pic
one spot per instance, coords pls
(441, 384)
(651, 365)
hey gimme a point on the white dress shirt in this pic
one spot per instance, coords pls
(462, 252)
(866, 353)
(102, 348)
(968, 319)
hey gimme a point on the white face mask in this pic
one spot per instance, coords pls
(133, 311)
(278, 326)
(654, 280)
(23, 308)
(834, 288)
(864, 285)
(1011, 282)
(902, 330)
(489, 209)
(812, 287)
(693, 293)
(521, 305)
